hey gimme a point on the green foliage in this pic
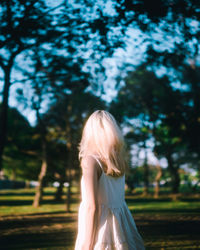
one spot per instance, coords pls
(134, 178)
(20, 157)
(64, 121)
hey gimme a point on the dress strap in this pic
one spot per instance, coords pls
(95, 157)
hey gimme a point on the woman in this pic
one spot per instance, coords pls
(104, 222)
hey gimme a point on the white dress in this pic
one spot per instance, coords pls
(116, 227)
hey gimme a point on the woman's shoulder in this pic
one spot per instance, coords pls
(91, 163)
(88, 161)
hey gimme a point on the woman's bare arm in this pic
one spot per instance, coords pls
(90, 175)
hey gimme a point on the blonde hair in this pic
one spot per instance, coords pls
(102, 137)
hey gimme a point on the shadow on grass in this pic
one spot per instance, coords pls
(145, 200)
(166, 199)
(164, 232)
(25, 194)
(166, 211)
(18, 202)
(190, 199)
(167, 233)
(29, 202)
(13, 216)
(168, 227)
(37, 231)
(51, 240)
(4, 193)
(32, 220)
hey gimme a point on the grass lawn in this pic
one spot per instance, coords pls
(163, 223)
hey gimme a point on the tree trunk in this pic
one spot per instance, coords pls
(146, 175)
(59, 191)
(194, 188)
(175, 180)
(69, 191)
(174, 175)
(27, 184)
(13, 175)
(69, 160)
(39, 189)
(4, 112)
(157, 180)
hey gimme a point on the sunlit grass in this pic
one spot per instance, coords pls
(20, 202)
(164, 206)
(6, 210)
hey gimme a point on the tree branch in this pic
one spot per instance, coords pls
(40, 77)
(2, 65)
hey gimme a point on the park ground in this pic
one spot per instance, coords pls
(164, 223)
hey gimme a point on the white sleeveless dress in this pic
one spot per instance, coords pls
(116, 227)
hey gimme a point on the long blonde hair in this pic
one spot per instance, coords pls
(102, 137)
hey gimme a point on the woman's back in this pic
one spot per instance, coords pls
(116, 228)
(110, 189)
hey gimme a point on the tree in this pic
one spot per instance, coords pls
(20, 161)
(30, 30)
(43, 138)
(65, 122)
(152, 101)
(24, 25)
(177, 23)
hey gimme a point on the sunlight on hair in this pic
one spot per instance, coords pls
(102, 137)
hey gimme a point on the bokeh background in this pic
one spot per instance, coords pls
(62, 60)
